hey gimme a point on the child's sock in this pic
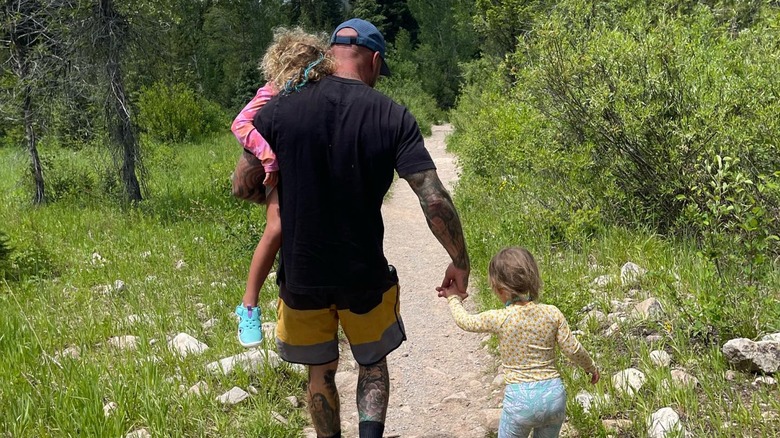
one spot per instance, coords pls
(371, 429)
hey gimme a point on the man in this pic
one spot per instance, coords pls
(337, 143)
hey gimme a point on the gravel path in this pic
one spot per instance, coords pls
(441, 377)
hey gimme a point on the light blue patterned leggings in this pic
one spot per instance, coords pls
(538, 406)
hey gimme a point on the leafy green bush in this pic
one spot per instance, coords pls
(175, 113)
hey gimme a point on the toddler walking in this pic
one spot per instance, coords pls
(528, 332)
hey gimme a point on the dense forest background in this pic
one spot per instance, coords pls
(657, 114)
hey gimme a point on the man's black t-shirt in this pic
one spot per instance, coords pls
(337, 143)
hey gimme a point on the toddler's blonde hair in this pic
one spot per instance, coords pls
(296, 57)
(514, 270)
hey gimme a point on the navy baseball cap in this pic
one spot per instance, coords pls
(367, 36)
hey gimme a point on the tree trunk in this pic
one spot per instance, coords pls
(122, 130)
(117, 108)
(32, 146)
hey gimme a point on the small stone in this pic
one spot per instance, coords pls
(234, 396)
(139, 433)
(598, 317)
(252, 390)
(616, 426)
(151, 278)
(180, 264)
(199, 388)
(119, 286)
(648, 308)
(654, 338)
(249, 361)
(279, 418)
(490, 419)
(631, 273)
(126, 342)
(603, 280)
(97, 259)
(588, 307)
(109, 408)
(664, 421)
(208, 325)
(761, 356)
(70, 353)
(145, 254)
(628, 381)
(184, 344)
(730, 375)
(764, 380)
(269, 330)
(616, 317)
(459, 397)
(293, 401)
(132, 319)
(612, 330)
(498, 381)
(660, 358)
(683, 378)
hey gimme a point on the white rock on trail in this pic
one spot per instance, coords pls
(663, 422)
(683, 378)
(109, 408)
(588, 400)
(603, 280)
(597, 316)
(761, 356)
(628, 381)
(127, 342)
(234, 396)
(70, 352)
(248, 361)
(764, 380)
(140, 433)
(180, 264)
(648, 308)
(631, 273)
(184, 344)
(660, 358)
(199, 388)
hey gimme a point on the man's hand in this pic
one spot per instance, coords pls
(457, 278)
(451, 290)
(271, 179)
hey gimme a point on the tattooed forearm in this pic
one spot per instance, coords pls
(247, 179)
(441, 215)
(373, 392)
(325, 415)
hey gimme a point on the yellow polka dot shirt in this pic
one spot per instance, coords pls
(527, 336)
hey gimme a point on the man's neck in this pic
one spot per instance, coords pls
(348, 74)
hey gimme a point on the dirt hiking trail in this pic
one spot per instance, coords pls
(441, 378)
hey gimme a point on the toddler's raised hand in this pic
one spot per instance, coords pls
(594, 377)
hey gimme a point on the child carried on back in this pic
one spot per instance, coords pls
(528, 333)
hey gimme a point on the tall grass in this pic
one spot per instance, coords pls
(55, 300)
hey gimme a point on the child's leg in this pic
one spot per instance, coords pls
(265, 253)
(250, 332)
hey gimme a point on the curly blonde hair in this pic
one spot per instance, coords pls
(514, 270)
(296, 57)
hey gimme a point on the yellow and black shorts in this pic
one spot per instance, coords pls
(307, 329)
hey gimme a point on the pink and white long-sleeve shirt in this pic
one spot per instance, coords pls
(247, 135)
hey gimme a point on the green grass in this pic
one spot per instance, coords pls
(53, 302)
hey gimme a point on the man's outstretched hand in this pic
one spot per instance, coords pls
(455, 278)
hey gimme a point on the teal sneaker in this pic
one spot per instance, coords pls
(250, 331)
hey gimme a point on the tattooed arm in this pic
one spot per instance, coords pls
(443, 221)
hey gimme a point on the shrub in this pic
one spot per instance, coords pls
(175, 113)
